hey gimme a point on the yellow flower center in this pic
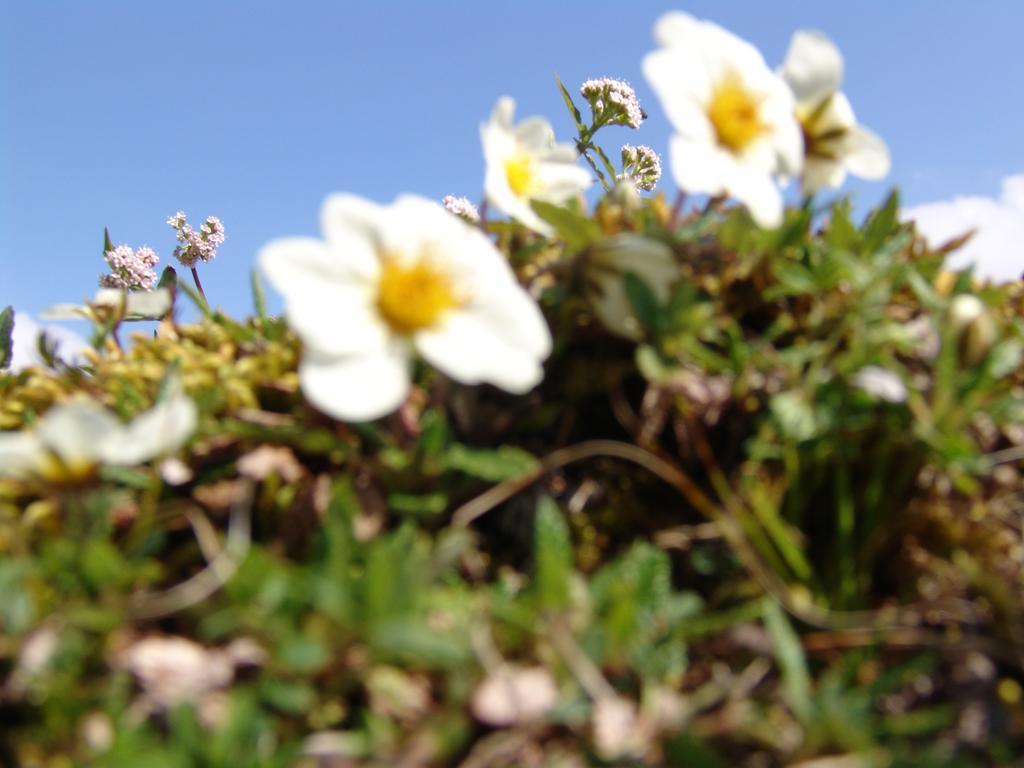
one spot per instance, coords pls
(519, 170)
(413, 295)
(735, 114)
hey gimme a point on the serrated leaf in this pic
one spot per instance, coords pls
(841, 233)
(577, 230)
(552, 551)
(882, 223)
(493, 465)
(6, 337)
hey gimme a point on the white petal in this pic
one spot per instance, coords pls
(500, 339)
(535, 133)
(650, 260)
(357, 387)
(560, 181)
(867, 155)
(503, 111)
(696, 167)
(147, 305)
(676, 28)
(352, 226)
(759, 193)
(22, 454)
(327, 305)
(822, 173)
(66, 312)
(160, 430)
(683, 85)
(813, 66)
(76, 431)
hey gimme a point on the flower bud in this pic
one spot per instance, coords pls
(640, 165)
(974, 328)
(613, 102)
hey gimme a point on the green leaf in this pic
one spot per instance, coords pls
(553, 559)
(643, 301)
(789, 653)
(490, 464)
(841, 233)
(882, 223)
(577, 230)
(576, 116)
(108, 245)
(303, 654)
(418, 505)
(794, 279)
(6, 337)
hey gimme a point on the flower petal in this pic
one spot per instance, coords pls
(329, 307)
(822, 173)
(357, 387)
(535, 133)
(160, 430)
(22, 454)
(867, 155)
(77, 431)
(350, 225)
(813, 66)
(759, 193)
(499, 339)
(683, 96)
(696, 167)
(561, 181)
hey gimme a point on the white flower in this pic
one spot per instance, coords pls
(128, 305)
(71, 439)
(733, 117)
(833, 142)
(524, 163)
(512, 695)
(389, 280)
(610, 260)
(881, 383)
(175, 670)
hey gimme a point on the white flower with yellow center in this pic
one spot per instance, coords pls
(388, 281)
(524, 163)
(833, 142)
(733, 117)
(72, 439)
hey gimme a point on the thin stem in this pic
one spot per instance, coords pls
(199, 285)
(677, 209)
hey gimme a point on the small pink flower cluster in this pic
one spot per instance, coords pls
(130, 270)
(641, 165)
(196, 246)
(461, 206)
(613, 102)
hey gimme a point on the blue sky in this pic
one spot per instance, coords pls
(121, 113)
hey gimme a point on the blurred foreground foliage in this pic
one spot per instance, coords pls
(709, 542)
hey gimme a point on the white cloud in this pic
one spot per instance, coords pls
(26, 341)
(997, 248)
